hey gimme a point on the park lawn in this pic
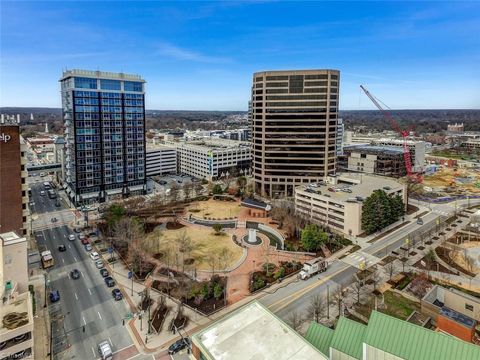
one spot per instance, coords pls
(205, 242)
(395, 305)
(215, 209)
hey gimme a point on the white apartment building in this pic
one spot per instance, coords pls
(213, 159)
(337, 201)
(160, 160)
(16, 309)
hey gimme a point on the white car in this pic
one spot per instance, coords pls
(42, 193)
(99, 263)
(71, 237)
(94, 255)
(81, 236)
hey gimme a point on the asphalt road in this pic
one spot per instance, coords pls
(296, 295)
(86, 301)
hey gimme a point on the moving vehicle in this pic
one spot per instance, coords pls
(62, 248)
(94, 255)
(46, 185)
(313, 267)
(57, 203)
(105, 350)
(71, 237)
(179, 345)
(420, 221)
(117, 294)
(47, 259)
(75, 274)
(42, 193)
(42, 174)
(54, 296)
(109, 281)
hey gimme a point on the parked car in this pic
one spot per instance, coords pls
(420, 221)
(3, 344)
(99, 264)
(88, 247)
(85, 241)
(77, 230)
(54, 220)
(104, 272)
(42, 193)
(94, 255)
(75, 274)
(117, 294)
(54, 296)
(179, 345)
(109, 281)
(81, 236)
(20, 338)
(57, 203)
(71, 237)
(42, 174)
(331, 189)
(62, 248)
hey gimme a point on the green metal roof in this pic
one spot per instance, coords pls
(320, 336)
(348, 337)
(413, 342)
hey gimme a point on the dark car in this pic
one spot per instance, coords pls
(179, 345)
(62, 248)
(117, 294)
(104, 272)
(109, 281)
(54, 296)
(420, 221)
(85, 241)
(54, 219)
(57, 203)
(75, 274)
(77, 230)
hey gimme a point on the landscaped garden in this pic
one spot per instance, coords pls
(199, 247)
(390, 303)
(214, 209)
(271, 273)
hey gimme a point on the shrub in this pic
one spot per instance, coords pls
(217, 190)
(268, 267)
(279, 273)
(217, 228)
(217, 291)
(258, 284)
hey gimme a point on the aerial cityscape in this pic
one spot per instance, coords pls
(223, 180)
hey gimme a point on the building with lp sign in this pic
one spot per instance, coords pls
(13, 185)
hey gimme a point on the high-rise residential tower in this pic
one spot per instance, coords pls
(104, 116)
(294, 128)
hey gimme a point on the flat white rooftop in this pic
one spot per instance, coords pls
(10, 238)
(253, 332)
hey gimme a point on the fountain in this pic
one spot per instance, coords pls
(252, 236)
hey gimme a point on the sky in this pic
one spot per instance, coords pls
(201, 55)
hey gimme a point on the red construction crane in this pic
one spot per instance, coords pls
(403, 133)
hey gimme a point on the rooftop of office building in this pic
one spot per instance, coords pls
(374, 150)
(16, 312)
(212, 144)
(350, 186)
(10, 238)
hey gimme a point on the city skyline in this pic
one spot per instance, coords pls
(200, 56)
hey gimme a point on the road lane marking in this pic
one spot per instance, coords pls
(74, 258)
(84, 322)
(94, 355)
(110, 340)
(63, 260)
(90, 291)
(100, 316)
(76, 297)
(69, 246)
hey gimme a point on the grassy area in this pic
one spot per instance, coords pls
(395, 305)
(454, 155)
(204, 240)
(214, 209)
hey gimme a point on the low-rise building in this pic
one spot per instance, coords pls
(337, 201)
(213, 159)
(160, 160)
(473, 144)
(452, 311)
(380, 160)
(455, 128)
(417, 150)
(252, 332)
(16, 308)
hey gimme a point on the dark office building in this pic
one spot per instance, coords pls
(104, 116)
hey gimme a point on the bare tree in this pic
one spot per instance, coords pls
(338, 298)
(391, 269)
(358, 289)
(198, 188)
(174, 193)
(224, 257)
(188, 190)
(470, 264)
(212, 260)
(317, 307)
(375, 277)
(451, 255)
(185, 246)
(295, 319)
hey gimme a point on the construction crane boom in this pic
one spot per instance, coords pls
(403, 133)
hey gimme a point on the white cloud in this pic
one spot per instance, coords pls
(183, 54)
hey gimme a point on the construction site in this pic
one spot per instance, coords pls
(452, 181)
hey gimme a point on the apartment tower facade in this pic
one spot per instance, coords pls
(104, 115)
(294, 117)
